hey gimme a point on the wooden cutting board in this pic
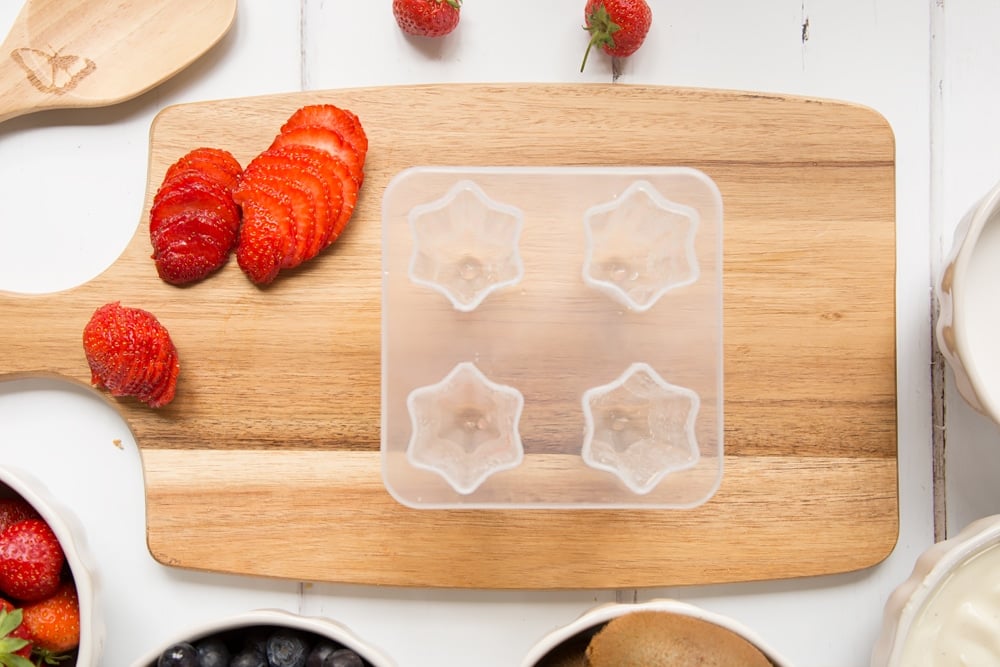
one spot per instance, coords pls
(267, 462)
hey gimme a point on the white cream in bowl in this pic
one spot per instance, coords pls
(947, 613)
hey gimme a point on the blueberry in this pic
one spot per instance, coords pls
(319, 652)
(343, 657)
(178, 655)
(212, 652)
(255, 637)
(286, 648)
(248, 657)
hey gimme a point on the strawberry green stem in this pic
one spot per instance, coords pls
(601, 29)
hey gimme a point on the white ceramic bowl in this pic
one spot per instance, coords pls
(933, 573)
(69, 531)
(969, 323)
(604, 613)
(276, 617)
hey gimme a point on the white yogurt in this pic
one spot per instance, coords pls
(959, 624)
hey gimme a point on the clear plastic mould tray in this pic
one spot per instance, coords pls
(552, 337)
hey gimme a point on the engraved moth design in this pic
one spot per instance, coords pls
(52, 72)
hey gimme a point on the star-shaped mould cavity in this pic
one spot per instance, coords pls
(640, 427)
(640, 246)
(465, 245)
(465, 427)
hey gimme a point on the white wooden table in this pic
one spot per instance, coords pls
(71, 188)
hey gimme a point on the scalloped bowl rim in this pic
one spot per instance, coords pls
(318, 624)
(966, 239)
(605, 612)
(72, 539)
(931, 568)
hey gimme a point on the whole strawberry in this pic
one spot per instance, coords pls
(54, 622)
(31, 560)
(618, 27)
(427, 18)
(13, 510)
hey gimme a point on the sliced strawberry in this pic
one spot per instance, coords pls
(336, 180)
(199, 185)
(124, 348)
(155, 378)
(328, 140)
(342, 121)
(301, 212)
(198, 226)
(168, 382)
(218, 164)
(266, 237)
(334, 172)
(298, 172)
(188, 262)
(193, 191)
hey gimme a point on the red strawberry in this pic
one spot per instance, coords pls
(427, 18)
(341, 121)
(31, 560)
(306, 173)
(325, 139)
(199, 184)
(15, 637)
(344, 188)
(15, 509)
(55, 621)
(219, 165)
(266, 237)
(297, 196)
(619, 27)
(131, 354)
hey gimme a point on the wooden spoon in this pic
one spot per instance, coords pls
(88, 53)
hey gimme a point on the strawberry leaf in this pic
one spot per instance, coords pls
(9, 621)
(49, 658)
(11, 660)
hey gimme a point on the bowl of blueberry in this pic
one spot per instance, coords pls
(267, 638)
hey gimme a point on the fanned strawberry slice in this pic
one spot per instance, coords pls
(284, 167)
(199, 185)
(190, 228)
(192, 192)
(131, 354)
(219, 165)
(267, 235)
(300, 207)
(298, 195)
(188, 261)
(342, 121)
(325, 139)
(338, 177)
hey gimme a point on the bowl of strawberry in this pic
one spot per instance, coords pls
(267, 638)
(47, 612)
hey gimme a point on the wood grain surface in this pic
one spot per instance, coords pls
(271, 447)
(90, 53)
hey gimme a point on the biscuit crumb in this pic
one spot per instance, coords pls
(117, 443)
